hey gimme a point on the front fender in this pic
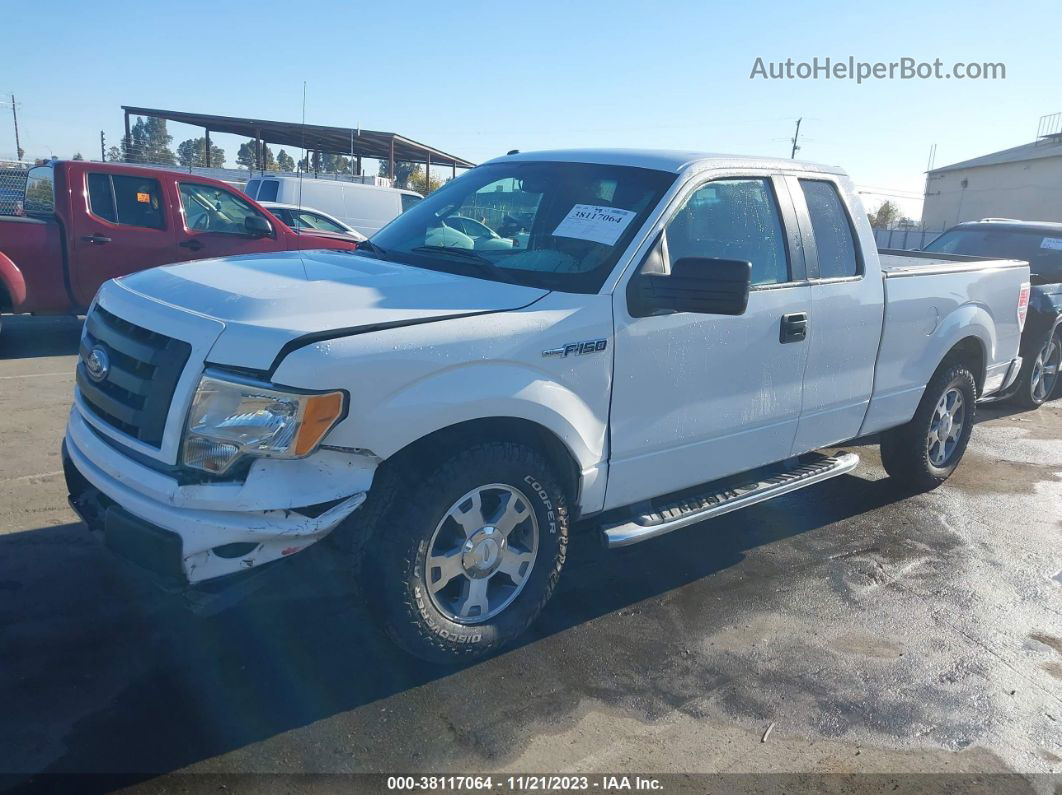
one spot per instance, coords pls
(12, 281)
(478, 390)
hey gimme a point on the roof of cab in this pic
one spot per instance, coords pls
(667, 160)
(1012, 224)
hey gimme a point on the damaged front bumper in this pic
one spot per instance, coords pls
(187, 534)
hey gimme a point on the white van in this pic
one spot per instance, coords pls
(366, 208)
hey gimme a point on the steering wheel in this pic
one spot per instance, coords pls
(202, 222)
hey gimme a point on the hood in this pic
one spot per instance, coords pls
(268, 300)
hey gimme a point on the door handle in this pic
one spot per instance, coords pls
(193, 244)
(98, 240)
(794, 327)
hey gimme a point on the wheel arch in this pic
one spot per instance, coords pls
(970, 351)
(429, 450)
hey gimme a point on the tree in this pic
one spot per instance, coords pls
(885, 216)
(114, 155)
(416, 182)
(149, 142)
(193, 153)
(403, 171)
(77, 156)
(334, 164)
(245, 157)
(285, 162)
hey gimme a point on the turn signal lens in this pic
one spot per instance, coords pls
(320, 413)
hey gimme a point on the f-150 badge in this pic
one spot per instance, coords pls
(576, 349)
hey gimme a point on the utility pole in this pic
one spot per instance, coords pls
(19, 151)
(796, 137)
(103, 148)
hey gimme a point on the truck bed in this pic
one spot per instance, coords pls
(895, 263)
(932, 301)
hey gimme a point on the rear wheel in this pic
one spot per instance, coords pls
(467, 560)
(1039, 374)
(923, 453)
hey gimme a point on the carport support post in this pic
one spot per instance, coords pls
(357, 165)
(391, 165)
(127, 141)
(453, 170)
(427, 175)
(207, 131)
(258, 150)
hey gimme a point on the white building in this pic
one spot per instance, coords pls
(1024, 183)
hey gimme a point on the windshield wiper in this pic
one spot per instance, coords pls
(470, 256)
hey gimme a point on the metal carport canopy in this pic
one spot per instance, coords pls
(313, 137)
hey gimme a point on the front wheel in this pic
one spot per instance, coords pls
(1039, 374)
(466, 561)
(923, 453)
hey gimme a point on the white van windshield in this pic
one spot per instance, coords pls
(554, 225)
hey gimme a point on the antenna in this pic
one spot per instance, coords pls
(796, 137)
(304, 163)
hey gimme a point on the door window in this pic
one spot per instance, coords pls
(126, 200)
(735, 219)
(309, 220)
(208, 208)
(834, 240)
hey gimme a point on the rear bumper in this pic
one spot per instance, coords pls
(178, 542)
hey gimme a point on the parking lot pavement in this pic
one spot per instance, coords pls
(877, 632)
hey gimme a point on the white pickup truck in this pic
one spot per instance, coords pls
(673, 337)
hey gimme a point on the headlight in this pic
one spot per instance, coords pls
(229, 419)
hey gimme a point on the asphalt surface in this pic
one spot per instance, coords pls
(876, 632)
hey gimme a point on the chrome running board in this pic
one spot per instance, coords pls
(689, 510)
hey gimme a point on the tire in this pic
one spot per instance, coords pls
(1038, 378)
(914, 454)
(495, 514)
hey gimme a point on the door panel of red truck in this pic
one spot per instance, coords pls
(120, 223)
(211, 223)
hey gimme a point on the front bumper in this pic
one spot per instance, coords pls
(185, 535)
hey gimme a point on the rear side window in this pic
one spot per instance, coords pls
(408, 200)
(834, 240)
(251, 189)
(101, 197)
(267, 191)
(40, 191)
(734, 219)
(121, 199)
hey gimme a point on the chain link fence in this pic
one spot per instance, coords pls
(12, 186)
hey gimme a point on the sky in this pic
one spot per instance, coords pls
(477, 79)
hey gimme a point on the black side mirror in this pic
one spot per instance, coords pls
(696, 284)
(257, 226)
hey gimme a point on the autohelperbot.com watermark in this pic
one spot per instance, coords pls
(849, 68)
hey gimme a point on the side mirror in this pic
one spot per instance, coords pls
(257, 226)
(702, 285)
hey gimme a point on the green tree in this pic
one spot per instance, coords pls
(150, 142)
(285, 162)
(335, 164)
(403, 172)
(416, 182)
(193, 153)
(245, 157)
(77, 156)
(885, 216)
(114, 155)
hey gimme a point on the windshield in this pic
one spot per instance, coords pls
(554, 225)
(1042, 250)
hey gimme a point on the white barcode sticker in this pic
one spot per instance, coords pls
(1052, 242)
(590, 222)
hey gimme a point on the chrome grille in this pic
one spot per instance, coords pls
(140, 369)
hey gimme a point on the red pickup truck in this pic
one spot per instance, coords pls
(83, 223)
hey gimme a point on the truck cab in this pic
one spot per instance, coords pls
(83, 223)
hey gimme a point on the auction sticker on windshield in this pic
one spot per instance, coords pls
(590, 222)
